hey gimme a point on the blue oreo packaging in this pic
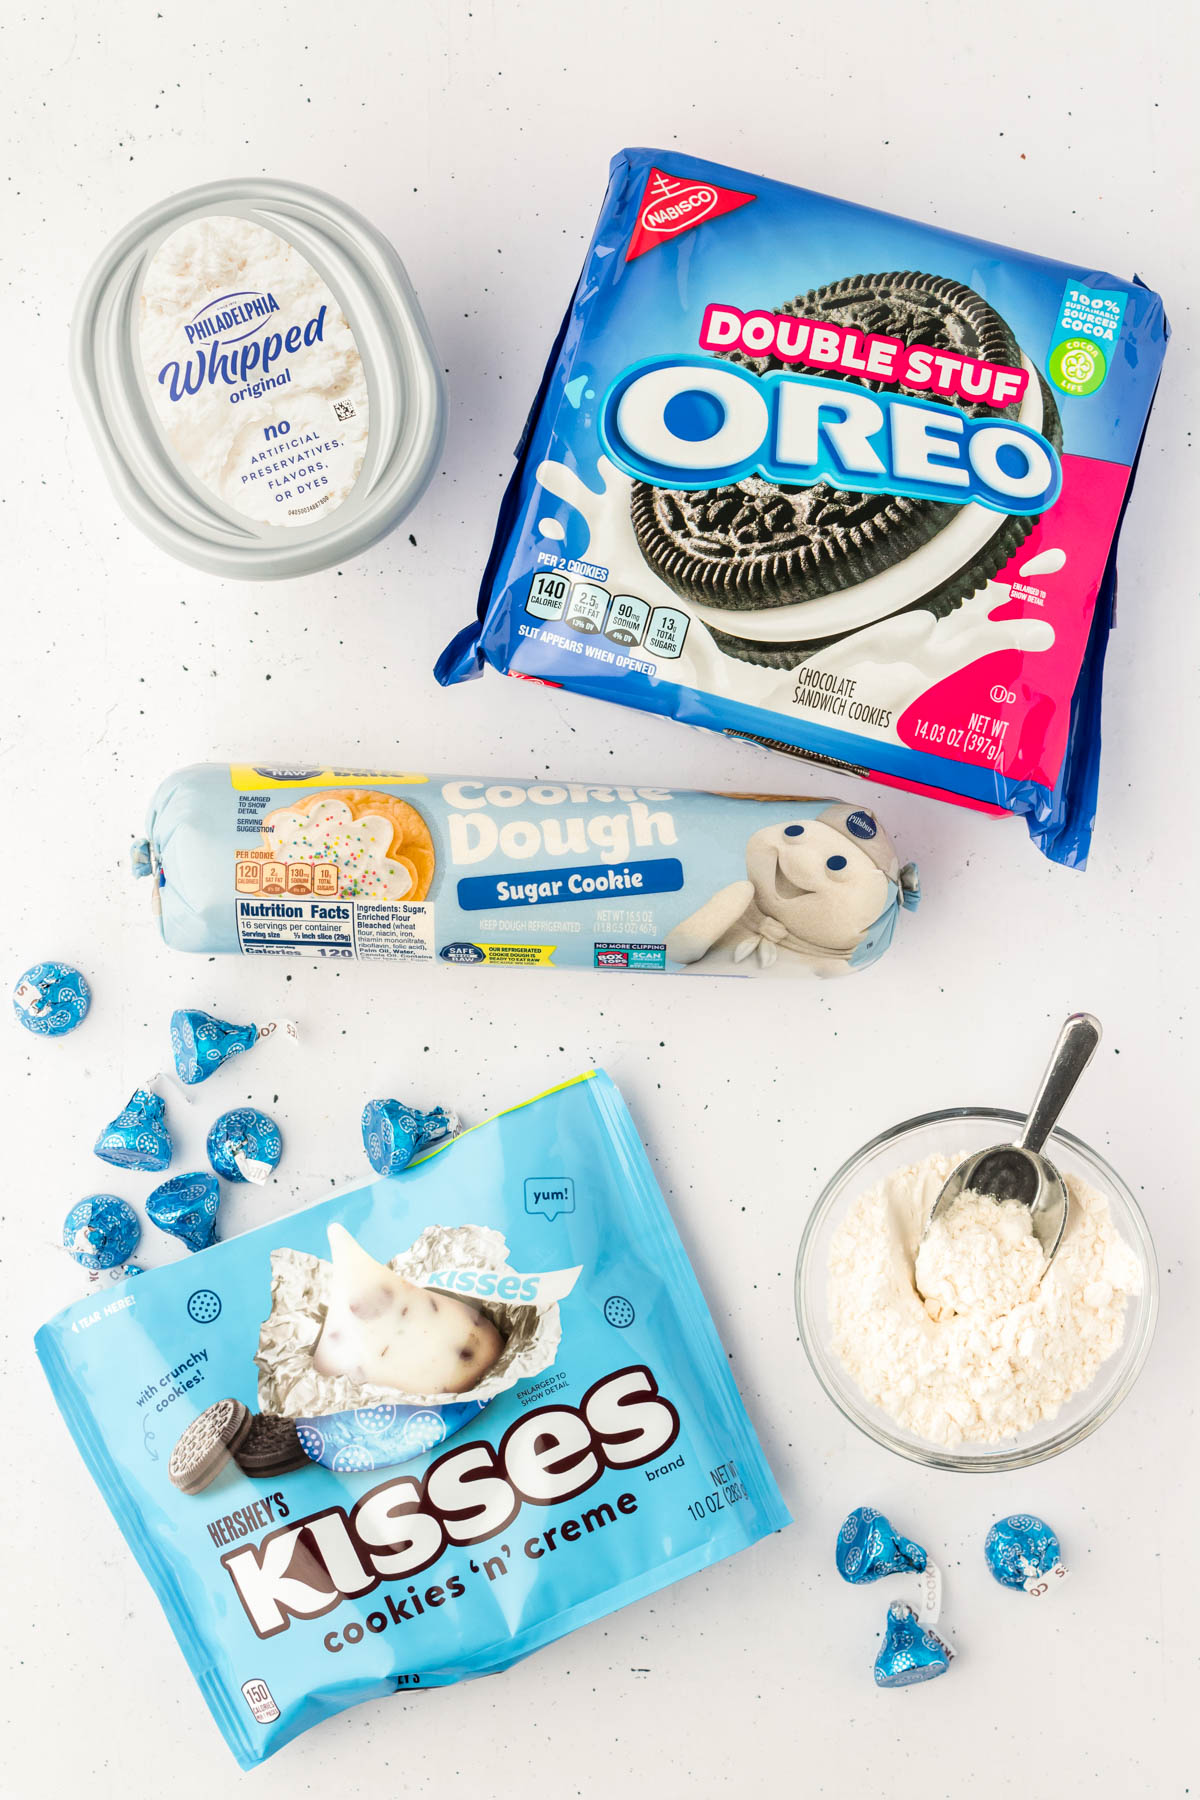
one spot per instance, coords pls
(839, 483)
(461, 870)
(597, 1451)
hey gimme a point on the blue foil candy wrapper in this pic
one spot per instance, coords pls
(245, 1145)
(869, 1547)
(51, 999)
(393, 1133)
(186, 1207)
(138, 1137)
(101, 1231)
(910, 1651)
(200, 1043)
(377, 1437)
(1021, 1549)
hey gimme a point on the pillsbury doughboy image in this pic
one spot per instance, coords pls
(820, 897)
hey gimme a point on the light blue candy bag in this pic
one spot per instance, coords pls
(418, 1538)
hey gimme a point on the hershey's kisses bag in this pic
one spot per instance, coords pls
(502, 1411)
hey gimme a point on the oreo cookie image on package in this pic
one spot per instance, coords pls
(758, 544)
(831, 481)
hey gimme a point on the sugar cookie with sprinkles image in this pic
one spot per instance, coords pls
(378, 846)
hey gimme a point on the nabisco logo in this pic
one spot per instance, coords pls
(672, 204)
(692, 201)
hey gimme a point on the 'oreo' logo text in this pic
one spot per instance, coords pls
(688, 422)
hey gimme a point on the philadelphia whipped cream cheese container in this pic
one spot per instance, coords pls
(258, 378)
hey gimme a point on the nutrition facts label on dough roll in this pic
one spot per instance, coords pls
(385, 930)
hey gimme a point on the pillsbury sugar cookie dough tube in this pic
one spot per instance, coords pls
(293, 860)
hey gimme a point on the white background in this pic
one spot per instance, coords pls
(477, 138)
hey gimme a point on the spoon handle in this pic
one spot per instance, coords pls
(1073, 1052)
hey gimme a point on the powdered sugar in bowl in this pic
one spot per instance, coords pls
(1003, 1390)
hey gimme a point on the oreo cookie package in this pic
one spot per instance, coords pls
(419, 1430)
(832, 481)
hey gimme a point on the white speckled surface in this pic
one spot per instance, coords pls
(477, 138)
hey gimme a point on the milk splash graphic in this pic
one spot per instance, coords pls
(1048, 562)
(893, 662)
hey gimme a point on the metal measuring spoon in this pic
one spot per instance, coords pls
(1019, 1171)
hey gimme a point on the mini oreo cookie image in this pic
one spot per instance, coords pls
(270, 1447)
(207, 1445)
(756, 545)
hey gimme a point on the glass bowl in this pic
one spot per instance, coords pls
(964, 1129)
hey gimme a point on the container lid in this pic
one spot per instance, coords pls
(258, 378)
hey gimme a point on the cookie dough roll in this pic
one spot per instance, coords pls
(294, 860)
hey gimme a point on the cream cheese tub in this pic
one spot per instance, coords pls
(258, 378)
(294, 860)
